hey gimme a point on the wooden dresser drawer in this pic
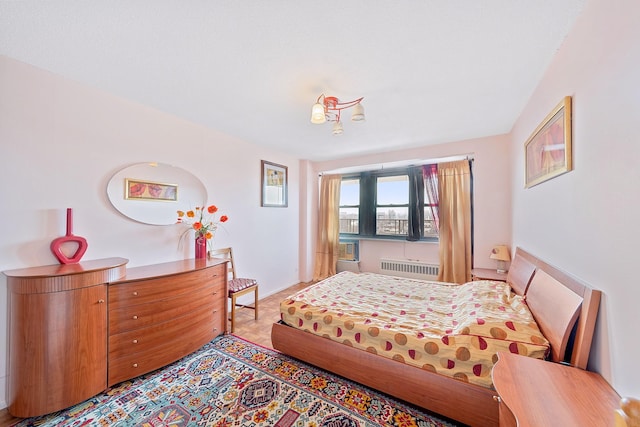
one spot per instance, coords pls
(145, 291)
(168, 350)
(137, 316)
(159, 314)
(145, 339)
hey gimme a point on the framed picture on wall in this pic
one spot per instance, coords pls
(136, 189)
(274, 185)
(547, 152)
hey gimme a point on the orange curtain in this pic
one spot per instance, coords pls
(328, 227)
(454, 189)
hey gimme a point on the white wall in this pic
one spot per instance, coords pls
(60, 143)
(308, 219)
(586, 221)
(492, 199)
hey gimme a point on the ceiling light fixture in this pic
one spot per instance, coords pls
(328, 108)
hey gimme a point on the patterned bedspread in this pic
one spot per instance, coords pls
(454, 330)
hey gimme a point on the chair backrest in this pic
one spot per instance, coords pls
(225, 253)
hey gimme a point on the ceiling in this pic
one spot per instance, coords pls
(429, 71)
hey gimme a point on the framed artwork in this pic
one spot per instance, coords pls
(136, 189)
(274, 185)
(547, 152)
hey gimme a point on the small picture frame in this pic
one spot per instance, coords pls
(136, 189)
(274, 178)
(547, 152)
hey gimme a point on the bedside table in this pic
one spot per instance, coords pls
(534, 392)
(487, 274)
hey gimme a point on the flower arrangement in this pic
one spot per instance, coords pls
(202, 220)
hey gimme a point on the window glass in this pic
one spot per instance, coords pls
(392, 221)
(349, 206)
(350, 192)
(393, 190)
(392, 205)
(429, 223)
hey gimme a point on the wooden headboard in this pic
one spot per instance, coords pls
(562, 306)
(520, 273)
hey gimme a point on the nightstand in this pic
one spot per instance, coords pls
(487, 274)
(534, 392)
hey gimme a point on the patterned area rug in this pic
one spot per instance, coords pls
(232, 382)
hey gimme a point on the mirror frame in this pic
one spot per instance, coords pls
(152, 193)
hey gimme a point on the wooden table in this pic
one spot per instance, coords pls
(487, 274)
(535, 393)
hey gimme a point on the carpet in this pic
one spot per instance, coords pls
(233, 382)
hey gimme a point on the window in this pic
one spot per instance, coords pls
(377, 205)
(392, 205)
(350, 206)
(430, 229)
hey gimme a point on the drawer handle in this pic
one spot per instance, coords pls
(135, 365)
(135, 341)
(215, 311)
(215, 293)
(215, 329)
(135, 294)
(135, 317)
(100, 301)
(497, 399)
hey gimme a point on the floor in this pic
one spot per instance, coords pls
(257, 331)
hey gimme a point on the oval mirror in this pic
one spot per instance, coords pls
(151, 193)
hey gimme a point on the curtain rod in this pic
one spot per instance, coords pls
(390, 165)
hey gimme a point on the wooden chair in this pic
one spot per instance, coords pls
(238, 286)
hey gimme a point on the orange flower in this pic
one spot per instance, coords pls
(202, 220)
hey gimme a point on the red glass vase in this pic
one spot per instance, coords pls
(201, 247)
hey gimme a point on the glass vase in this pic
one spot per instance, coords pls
(201, 247)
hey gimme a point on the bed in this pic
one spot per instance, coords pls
(560, 327)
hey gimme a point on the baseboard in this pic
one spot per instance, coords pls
(283, 288)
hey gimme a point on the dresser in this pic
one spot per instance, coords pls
(57, 334)
(75, 329)
(533, 392)
(158, 314)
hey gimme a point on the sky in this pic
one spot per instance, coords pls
(391, 190)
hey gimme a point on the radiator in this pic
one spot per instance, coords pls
(411, 269)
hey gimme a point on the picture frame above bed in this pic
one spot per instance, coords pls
(547, 152)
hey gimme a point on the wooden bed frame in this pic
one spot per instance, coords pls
(564, 309)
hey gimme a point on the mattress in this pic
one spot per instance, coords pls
(454, 330)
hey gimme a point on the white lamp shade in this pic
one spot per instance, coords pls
(337, 128)
(358, 113)
(317, 114)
